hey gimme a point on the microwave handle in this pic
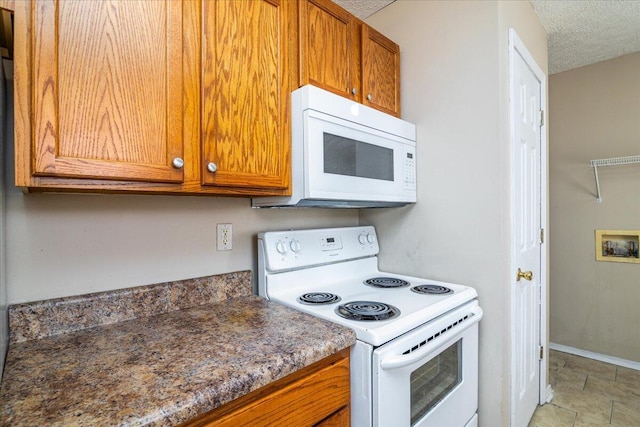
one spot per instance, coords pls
(402, 360)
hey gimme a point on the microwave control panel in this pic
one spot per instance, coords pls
(410, 171)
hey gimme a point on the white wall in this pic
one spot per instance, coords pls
(60, 245)
(6, 118)
(455, 88)
(595, 113)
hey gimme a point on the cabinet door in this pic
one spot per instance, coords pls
(318, 395)
(329, 48)
(245, 93)
(340, 418)
(107, 89)
(380, 72)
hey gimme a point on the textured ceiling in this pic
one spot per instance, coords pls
(580, 32)
(363, 8)
(585, 32)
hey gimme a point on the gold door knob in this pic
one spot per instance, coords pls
(526, 275)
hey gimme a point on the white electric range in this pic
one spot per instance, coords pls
(415, 362)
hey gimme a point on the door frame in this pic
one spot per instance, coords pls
(517, 47)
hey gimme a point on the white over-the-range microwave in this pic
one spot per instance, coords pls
(347, 155)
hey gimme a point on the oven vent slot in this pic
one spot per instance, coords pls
(437, 334)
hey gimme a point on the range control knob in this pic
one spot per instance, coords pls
(281, 248)
(362, 239)
(371, 238)
(295, 246)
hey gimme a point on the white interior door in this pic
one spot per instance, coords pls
(527, 240)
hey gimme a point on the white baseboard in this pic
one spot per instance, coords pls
(596, 356)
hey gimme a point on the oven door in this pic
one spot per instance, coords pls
(429, 376)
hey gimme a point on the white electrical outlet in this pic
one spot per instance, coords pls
(224, 234)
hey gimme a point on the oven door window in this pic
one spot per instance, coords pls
(434, 380)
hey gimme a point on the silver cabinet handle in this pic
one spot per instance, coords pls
(212, 167)
(178, 163)
(369, 97)
(354, 91)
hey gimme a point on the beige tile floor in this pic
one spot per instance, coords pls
(589, 393)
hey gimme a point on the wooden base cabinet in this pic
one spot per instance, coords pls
(318, 395)
(343, 55)
(154, 96)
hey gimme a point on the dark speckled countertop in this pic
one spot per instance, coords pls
(162, 369)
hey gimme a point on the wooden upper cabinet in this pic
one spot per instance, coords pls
(380, 72)
(341, 54)
(107, 89)
(245, 93)
(329, 48)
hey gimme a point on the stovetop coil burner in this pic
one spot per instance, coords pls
(431, 290)
(367, 310)
(316, 298)
(386, 282)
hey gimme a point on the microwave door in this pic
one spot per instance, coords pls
(354, 163)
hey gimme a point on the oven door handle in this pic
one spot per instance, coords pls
(402, 360)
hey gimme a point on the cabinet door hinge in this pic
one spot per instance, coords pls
(541, 352)
(542, 235)
(541, 118)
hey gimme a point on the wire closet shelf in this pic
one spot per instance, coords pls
(613, 161)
